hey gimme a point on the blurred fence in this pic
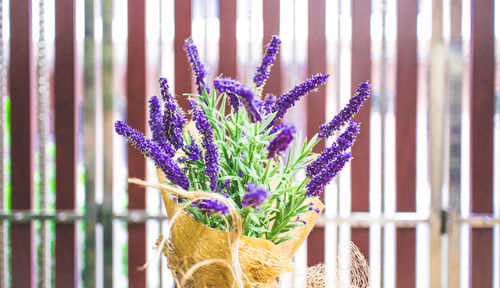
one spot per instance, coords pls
(421, 198)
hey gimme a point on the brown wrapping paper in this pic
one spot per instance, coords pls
(192, 243)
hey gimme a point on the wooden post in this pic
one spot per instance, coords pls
(406, 119)
(136, 117)
(183, 82)
(271, 15)
(227, 44)
(437, 113)
(360, 164)
(23, 117)
(482, 83)
(316, 63)
(66, 130)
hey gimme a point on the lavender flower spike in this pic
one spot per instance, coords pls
(211, 152)
(319, 182)
(152, 150)
(155, 123)
(344, 142)
(267, 61)
(173, 118)
(288, 100)
(226, 85)
(362, 93)
(267, 104)
(255, 196)
(198, 67)
(192, 152)
(209, 207)
(281, 141)
(234, 101)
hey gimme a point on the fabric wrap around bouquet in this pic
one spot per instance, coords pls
(200, 256)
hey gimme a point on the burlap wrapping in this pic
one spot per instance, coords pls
(200, 256)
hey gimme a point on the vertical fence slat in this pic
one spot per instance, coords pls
(89, 130)
(136, 116)
(271, 19)
(66, 119)
(227, 44)
(316, 63)
(405, 113)
(107, 134)
(481, 138)
(360, 164)
(182, 19)
(23, 132)
(455, 91)
(3, 89)
(436, 139)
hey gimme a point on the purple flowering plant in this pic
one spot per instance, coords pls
(248, 154)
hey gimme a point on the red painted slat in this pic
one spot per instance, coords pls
(271, 19)
(405, 110)
(406, 100)
(405, 257)
(66, 131)
(136, 116)
(481, 258)
(360, 164)
(481, 133)
(183, 82)
(23, 116)
(316, 63)
(227, 47)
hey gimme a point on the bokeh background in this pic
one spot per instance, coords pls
(421, 198)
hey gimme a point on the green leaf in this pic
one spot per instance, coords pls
(254, 218)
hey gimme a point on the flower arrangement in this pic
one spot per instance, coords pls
(248, 155)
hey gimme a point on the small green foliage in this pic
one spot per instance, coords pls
(242, 159)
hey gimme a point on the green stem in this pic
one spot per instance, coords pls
(268, 163)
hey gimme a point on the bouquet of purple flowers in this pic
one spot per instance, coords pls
(249, 155)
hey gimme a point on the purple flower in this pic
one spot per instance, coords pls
(267, 61)
(234, 101)
(362, 93)
(173, 118)
(255, 196)
(155, 123)
(326, 175)
(288, 100)
(281, 141)
(344, 142)
(209, 207)
(192, 151)
(267, 104)
(227, 85)
(151, 150)
(224, 186)
(277, 128)
(211, 152)
(198, 67)
(164, 88)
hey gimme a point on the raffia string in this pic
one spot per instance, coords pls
(200, 257)
(317, 276)
(234, 234)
